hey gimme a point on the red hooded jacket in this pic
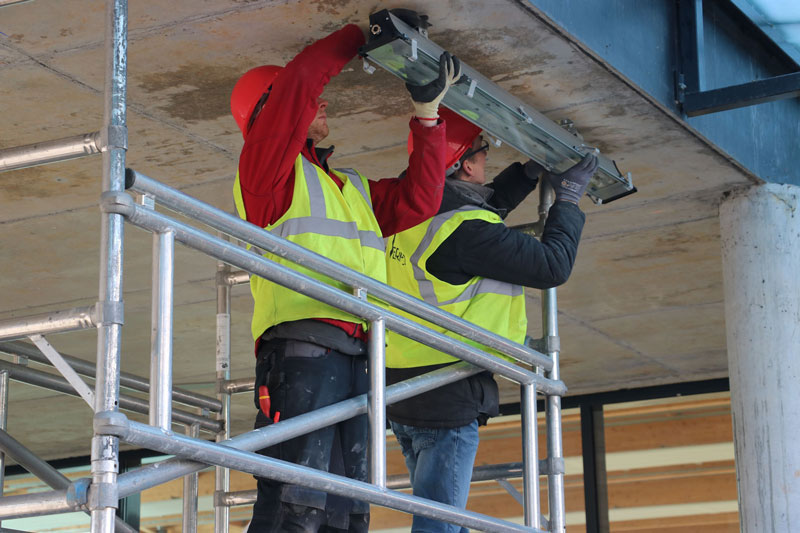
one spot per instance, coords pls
(279, 134)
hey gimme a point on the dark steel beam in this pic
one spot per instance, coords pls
(690, 82)
(595, 485)
(130, 507)
(746, 94)
(691, 48)
(655, 392)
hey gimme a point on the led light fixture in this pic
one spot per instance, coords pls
(410, 55)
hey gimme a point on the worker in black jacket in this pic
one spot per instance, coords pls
(466, 261)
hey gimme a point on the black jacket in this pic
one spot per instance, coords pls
(480, 248)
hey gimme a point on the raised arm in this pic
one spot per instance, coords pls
(480, 248)
(279, 131)
(402, 203)
(514, 184)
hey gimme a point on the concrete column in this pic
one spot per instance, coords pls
(760, 231)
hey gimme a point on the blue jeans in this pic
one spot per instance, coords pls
(439, 464)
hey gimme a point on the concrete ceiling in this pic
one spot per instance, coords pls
(644, 303)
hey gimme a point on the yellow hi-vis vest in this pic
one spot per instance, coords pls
(338, 224)
(491, 304)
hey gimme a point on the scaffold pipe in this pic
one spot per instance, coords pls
(115, 423)
(45, 152)
(153, 221)
(238, 228)
(130, 381)
(42, 470)
(47, 323)
(155, 474)
(49, 381)
(40, 504)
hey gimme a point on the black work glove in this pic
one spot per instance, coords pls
(426, 98)
(571, 184)
(532, 171)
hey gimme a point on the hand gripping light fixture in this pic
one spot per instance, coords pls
(411, 56)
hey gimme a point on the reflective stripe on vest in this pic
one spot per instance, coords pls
(481, 286)
(336, 223)
(491, 304)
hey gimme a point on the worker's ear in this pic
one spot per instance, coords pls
(467, 167)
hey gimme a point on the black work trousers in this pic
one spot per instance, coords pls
(302, 377)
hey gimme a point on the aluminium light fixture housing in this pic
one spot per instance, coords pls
(410, 55)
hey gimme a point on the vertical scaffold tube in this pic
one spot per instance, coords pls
(105, 449)
(530, 456)
(222, 476)
(154, 341)
(3, 424)
(161, 351)
(190, 491)
(555, 480)
(377, 402)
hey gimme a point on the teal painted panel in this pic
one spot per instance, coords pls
(638, 39)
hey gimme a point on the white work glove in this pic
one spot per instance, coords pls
(426, 98)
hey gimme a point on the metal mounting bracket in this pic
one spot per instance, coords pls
(471, 91)
(555, 465)
(112, 137)
(66, 370)
(78, 492)
(511, 490)
(109, 313)
(369, 69)
(545, 344)
(147, 200)
(103, 496)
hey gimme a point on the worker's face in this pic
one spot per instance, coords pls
(474, 167)
(318, 129)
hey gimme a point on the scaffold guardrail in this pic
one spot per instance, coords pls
(99, 495)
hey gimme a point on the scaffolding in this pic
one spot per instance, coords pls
(99, 495)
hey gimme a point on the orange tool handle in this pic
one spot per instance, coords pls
(265, 404)
(263, 400)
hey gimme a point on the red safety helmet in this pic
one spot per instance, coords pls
(461, 133)
(248, 91)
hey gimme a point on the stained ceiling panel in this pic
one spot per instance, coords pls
(650, 255)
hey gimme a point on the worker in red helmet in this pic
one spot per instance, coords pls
(310, 354)
(467, 262)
